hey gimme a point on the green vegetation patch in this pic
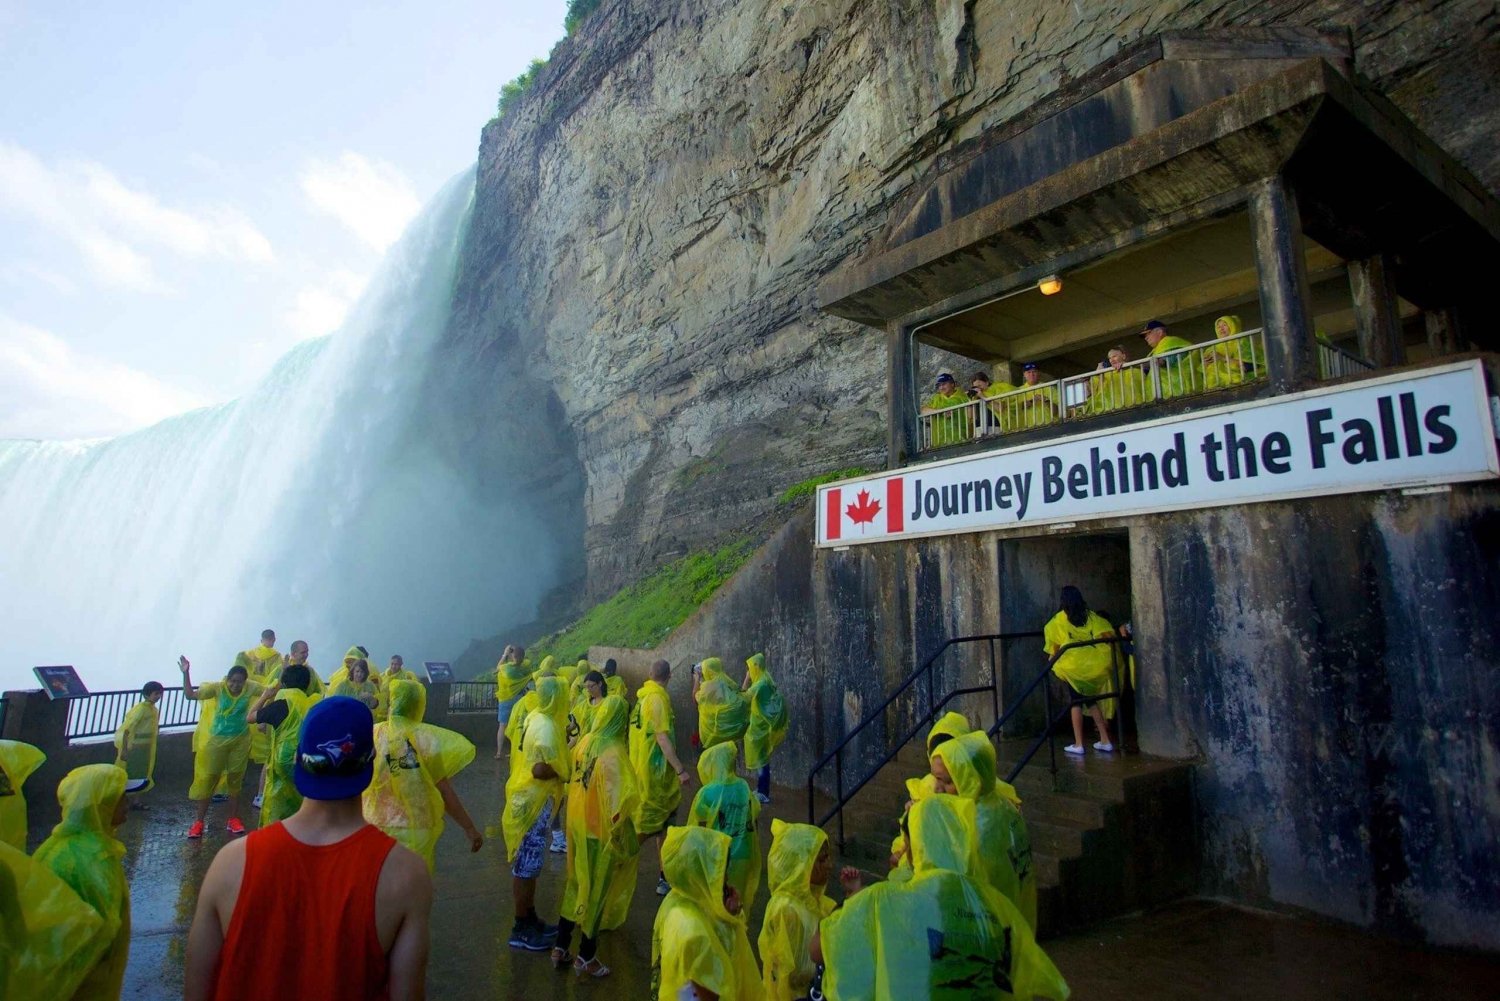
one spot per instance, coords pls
(511, 92)
(643, 614)
(577, 11)
(797, 491)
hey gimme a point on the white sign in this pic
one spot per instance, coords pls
(1387, 432)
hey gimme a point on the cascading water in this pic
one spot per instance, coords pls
(314, 505)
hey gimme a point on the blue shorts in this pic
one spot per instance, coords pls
(533, 851)
(502, 712)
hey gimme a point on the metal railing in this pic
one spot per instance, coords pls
(1055, 717)
(471, 697)
(1335, 362)
(99, 714)
(1191, 371)
(913, 681)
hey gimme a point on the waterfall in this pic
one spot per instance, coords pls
(316, 505)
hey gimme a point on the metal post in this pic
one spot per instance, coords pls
(1051, 744)
(994, 682)
(838, 781)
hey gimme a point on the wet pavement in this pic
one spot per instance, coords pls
(1192, 949)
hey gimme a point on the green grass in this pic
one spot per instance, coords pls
(807, 487)
(511, 92)
(577, 11)
(642, 615)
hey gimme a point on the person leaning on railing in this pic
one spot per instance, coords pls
(1177, 379)
(981, 388)
(1232, 363)
(951, 421)
(1117, 387)
(1034, 405)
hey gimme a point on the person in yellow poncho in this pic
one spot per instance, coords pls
(17, 761)
(135, 739)
(698, 941)
(262, 661)
(952, 420)
(950, 726)
(351, 655)
(1117, 387)
(222, 754)
(526, 704)
(966, 767)
(1176, 374)
(723, 714)
(357, 684)
(1087, 670)
(282, 708)
(797, 870)
(602, 801)
(653, 755)
(591, 692)
(613, 683)
(1226, 365)
(411, 788)
(942, 935)
(50, 939)
(85, 854)
(532, 795)
(512, 675)
(987, 420)
(394, 671)
(768, 723)
(725, 804)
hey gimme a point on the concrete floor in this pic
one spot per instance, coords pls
(1193, 949)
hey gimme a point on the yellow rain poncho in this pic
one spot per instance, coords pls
(796, 908)
(615, 685)
(222, 749)
(85, 854)
(543, 741)
(17, 761)
(1089, 669)
(951, 725)
(49, 938)
(261, 673)
(1004, 844)
(943, 934)
(517, 725)
(1117, 389)
(723, 714)
(411, 758)
(953, 423)
(1226, 365)
(135, 744)
(602, 844)
(368, 692)
(768, 715)
(660, 790)
(511, 679)
(263, 663)
(726, 805)
(281, 798)
(694, 939)
(1176, 375)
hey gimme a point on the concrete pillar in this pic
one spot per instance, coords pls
(1444, 332)
(902, 438)
(1276, 229)
(1376, 316)
(1004, 370)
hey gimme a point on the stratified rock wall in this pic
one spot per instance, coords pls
(653, 218)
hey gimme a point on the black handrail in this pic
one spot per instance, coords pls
(99, 714)
(471, 697)
(1054, 718)
(836, 754)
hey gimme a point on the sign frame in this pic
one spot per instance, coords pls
(60, 681)
(439, 672)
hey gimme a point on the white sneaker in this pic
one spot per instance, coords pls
(559, 842)
(256, 801)
(1100, 745)
(1074, 749)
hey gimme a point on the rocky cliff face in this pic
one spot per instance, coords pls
(636, 300)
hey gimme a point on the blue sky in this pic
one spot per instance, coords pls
(187, 190)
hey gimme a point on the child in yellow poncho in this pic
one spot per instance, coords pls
(602, 801)
(414, 762)
(950, 726)
(966, 767)
(942, 934)
(797, 871)
(135, 739)
(85, 854)
(726, 805)
(699, 936)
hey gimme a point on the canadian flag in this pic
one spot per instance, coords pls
(863, 509)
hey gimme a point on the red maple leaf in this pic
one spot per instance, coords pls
(865, 510)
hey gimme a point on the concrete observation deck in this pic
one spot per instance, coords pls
(1191, 949)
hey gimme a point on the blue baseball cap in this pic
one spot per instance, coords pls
(336, 751)
(945, 377)
(1029, 367)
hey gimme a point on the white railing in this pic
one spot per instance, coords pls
(1335, 363)
(1201, 368)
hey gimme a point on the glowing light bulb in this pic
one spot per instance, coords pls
(1051, 285)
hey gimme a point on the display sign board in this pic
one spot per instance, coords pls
(438, 671)
(1395, 431)
(61, 682)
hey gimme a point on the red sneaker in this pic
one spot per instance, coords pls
(196, 831)
(234, 826)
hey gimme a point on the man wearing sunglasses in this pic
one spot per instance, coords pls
(307, 878)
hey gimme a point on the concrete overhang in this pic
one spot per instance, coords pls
(1367, 181)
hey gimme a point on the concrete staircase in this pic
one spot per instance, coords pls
(1113, 834)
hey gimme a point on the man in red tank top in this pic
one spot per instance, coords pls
(322, 872)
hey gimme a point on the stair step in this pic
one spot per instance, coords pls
(1057, 836)
(1065, 806)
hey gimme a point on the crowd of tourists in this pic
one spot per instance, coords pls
(353, 793)
(995, 407)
